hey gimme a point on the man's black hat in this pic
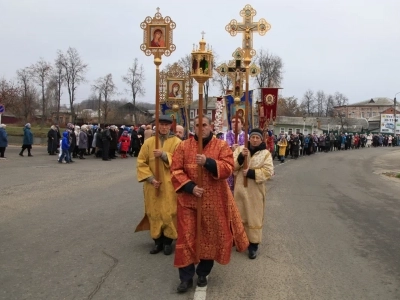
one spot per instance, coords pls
(165, 119)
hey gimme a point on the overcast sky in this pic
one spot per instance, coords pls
(350, 46)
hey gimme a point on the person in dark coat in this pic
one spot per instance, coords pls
(141, 133)
(135, 143)
(27, 140)
(327, 143)
(106, 139)
(72, 140)
(99, 142)
(3, 140)
(52, 140)
(89, 134)
(114, 141)
(295, 146)
(83, 141)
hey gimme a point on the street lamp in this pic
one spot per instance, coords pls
(304, 123)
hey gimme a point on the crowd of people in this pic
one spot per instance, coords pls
(208, 202)
(297, 144)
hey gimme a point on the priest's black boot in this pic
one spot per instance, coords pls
(184, 286)
(253, 247)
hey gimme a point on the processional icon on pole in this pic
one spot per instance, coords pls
(157, 41)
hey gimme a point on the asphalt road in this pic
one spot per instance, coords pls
(332, 231)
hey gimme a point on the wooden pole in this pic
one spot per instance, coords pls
(187, 121)
(199, 169)
(236, 129)
(247, 61)
(157, 62)
(173, 127)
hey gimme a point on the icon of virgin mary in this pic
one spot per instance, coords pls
(158, 39)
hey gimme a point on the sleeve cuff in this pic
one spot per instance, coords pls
(164, 157)
(188, 187)
(251, 174)
(211, 166)
(240, 159)
(150, 179)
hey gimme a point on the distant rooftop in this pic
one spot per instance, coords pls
(378, 101)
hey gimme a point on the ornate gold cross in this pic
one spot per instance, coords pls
(247, 27)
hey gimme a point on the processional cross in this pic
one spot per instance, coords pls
(247, 27)
(236, 72)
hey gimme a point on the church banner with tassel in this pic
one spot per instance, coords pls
(267, 109)
(179, 115)
(231, 108)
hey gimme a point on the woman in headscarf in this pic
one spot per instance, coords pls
(3, 140)
(27, 140)
(250, 200)
(52, 140)
(282, 143)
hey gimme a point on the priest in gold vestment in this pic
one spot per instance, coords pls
(251, 199)
(221, 226)
(160, 211)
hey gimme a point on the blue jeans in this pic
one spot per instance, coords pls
(65, 154)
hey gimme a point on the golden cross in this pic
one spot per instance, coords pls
(247, 27)
(158, 10)
(202, 34)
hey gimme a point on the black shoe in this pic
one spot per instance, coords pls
(202, 281)
(106, 159)
(167, 249)
(252, 254)
(30, 155)
(184, 286)
(21, 154)
(156, 249)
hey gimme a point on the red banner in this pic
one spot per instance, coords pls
(268, 106)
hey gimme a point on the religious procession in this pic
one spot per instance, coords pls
(206, 192)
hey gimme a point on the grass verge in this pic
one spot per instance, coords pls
(36, 130)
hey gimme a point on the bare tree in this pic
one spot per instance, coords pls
(28, 93)
(223, 82)
(9, 95)
(289, 107)
(308, 102)
(206, 88)
(59, 78)
(340, 99)
(135, 79)
(271, 69)
(51, 96)
(75, 70)
(329, 111)
(105, 87)
(41, 72)
(320, 99)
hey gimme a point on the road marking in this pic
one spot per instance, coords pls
(200, 293)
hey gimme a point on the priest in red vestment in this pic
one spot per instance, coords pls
(221, 225)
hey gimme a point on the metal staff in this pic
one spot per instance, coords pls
(202, 60)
